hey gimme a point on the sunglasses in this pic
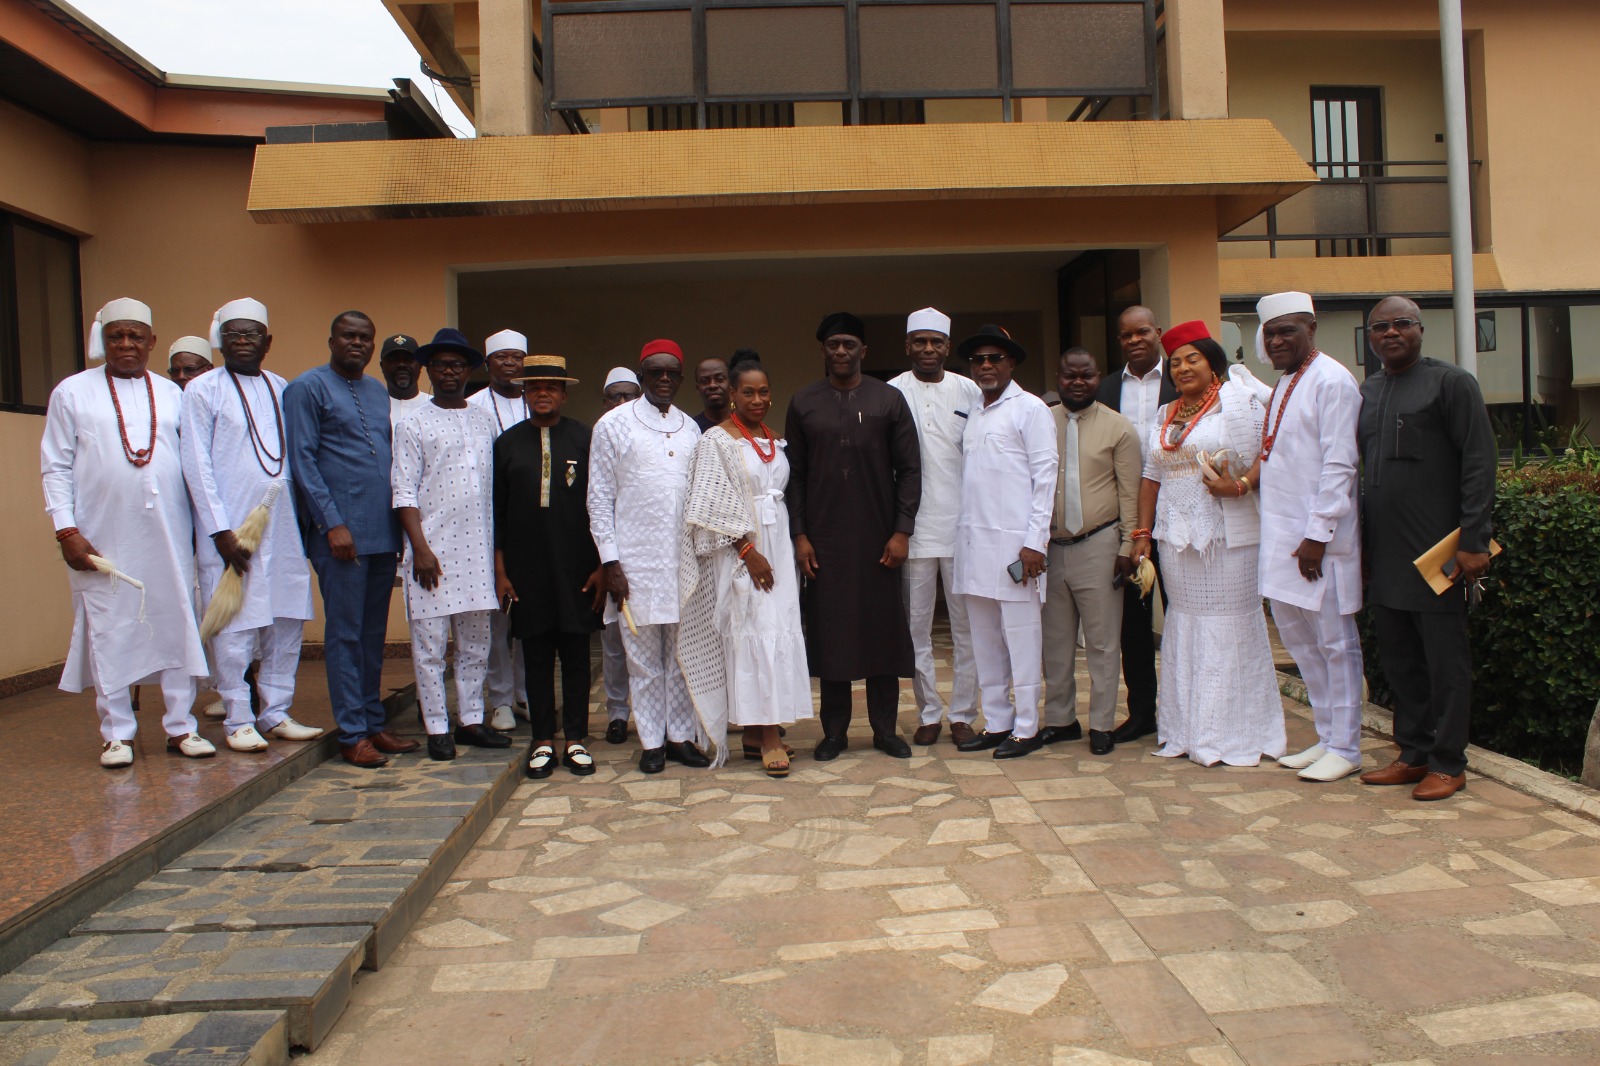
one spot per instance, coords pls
(988, 357)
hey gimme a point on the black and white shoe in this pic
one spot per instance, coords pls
(578, 760)
(541, 761)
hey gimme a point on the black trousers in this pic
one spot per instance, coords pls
(1427, 660)
(539, 661)
(1139, 645)
(883, 699)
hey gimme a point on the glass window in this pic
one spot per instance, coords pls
(41, 339)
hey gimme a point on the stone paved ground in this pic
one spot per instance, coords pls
(1058, 909)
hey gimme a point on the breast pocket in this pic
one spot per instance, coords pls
(1412, 429)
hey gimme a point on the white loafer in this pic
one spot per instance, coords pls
(116, 755)
(245, 738)
(289, 729)
(1330, 767)
(214, 710)
(1304, 759)
(194, 746)
(501, 720)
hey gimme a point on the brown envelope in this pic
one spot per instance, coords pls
(1430, 564)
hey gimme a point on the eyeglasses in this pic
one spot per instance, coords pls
(1378, 329)
(988, 357)
(248, 335)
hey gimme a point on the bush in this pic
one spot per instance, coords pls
(1536, 635)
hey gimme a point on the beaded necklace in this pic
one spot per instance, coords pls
(136, 456)
(258, 444)
(494, 401)
(772, 444)
(1269, 439)
(1206, 403)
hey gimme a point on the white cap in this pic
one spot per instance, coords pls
(928, 318)
(1276, 306)
(247, 309)
(507, 340)
(120, 310)
(620, 375)
(192, 345)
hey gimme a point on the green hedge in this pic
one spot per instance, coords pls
(1536, 635)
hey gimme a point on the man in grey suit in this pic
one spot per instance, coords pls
(338, 424)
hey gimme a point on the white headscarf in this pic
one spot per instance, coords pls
(620, 375)
(1276, 306)
(507, 340)
(192, 345)
(120, 310)
(247, 309)
(928, 318)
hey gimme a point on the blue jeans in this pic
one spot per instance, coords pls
(355, 604)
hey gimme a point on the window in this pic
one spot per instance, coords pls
(1346, 129)
(889, 112)
(41, 334)
(722, 116)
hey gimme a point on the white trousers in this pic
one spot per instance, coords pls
(507, 684)
(661, 707)
(117, 721)
(919, 581)
(429, 638)
(1008, 644)
(278, 646)
(614, 672)
(1327, 649)
(1078, 591)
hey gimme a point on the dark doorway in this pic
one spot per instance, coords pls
(1092, 291)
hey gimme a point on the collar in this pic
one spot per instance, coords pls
(1153, 373)
(1012, 389)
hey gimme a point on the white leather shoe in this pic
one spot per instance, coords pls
(502, 720)
(194, 746)
(214, 710)
(289, 729)
(1304, 759)
(245, 738)
(116, 755)
(1330, 767)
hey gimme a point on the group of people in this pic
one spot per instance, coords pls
(703, 547)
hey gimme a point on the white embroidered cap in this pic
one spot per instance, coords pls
(620, 375)
(1276, 306)
(124, 309)
(507, 340)
(928, 318)
(246, 309)
(192, 345)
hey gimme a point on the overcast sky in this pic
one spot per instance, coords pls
(331, 42)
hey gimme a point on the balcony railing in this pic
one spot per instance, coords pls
(1359, 212)
(642, 53)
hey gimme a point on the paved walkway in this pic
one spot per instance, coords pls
(1059, 909)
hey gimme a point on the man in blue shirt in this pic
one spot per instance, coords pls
(338, 423)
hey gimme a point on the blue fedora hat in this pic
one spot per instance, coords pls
(450, 340)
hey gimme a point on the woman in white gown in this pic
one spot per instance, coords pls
(1219, 699)
(739, 636)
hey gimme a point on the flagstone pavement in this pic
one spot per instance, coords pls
(1059, 909)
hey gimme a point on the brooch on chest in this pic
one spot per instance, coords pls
(572, 472)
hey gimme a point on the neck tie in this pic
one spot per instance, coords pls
(1071, 492)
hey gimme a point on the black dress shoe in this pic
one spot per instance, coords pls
(892, 745)
(983, 742)
(686, 753)
(1101, 743)
(652, 760)
(481, 736)
(1052, 734)
(1136, 726)
(617, 731)
(441, 748)
(828, 748)
(1017, 747)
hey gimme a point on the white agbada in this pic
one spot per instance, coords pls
(940, 410)
(1308, 488)
(137, 517)
(1007, 487)
(444, 467)
(639, 464)
(505, 411)
(227, 481)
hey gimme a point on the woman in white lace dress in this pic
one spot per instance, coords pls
(739, 637)
(1219, 698)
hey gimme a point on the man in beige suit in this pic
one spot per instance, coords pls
(1091, 527)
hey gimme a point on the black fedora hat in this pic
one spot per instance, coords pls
(992, 337)
(450, 340)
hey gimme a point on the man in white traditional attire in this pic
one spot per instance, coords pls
(233, 456)
(503, 400)
(639, 462)
(1008, 482)
(940, 403)
(113, 486)
(622, 386)
(1310, 558)
(402, 376)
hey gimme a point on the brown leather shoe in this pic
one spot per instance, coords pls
(1437, 786)
(390, 744)
(927, 734)
(961, 732)
(363, 754)
(1396, 773)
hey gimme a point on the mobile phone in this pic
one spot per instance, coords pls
(1015, 570)
(506, 602)
(1449, 569)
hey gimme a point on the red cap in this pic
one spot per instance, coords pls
(1184, 333)
(658, 346)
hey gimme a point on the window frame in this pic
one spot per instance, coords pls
(11, 399)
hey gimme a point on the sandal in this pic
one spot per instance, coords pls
(754, 753)
(578, 760)
(776, 762)
(542, 761)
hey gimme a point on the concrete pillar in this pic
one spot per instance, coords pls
(510, 98)
(1197, 59)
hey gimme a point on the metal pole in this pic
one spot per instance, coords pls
(1459, 183)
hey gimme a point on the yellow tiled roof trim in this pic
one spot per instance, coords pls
(691, 168)
(1353, 275)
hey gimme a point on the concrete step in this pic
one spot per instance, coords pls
(219, 1038)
